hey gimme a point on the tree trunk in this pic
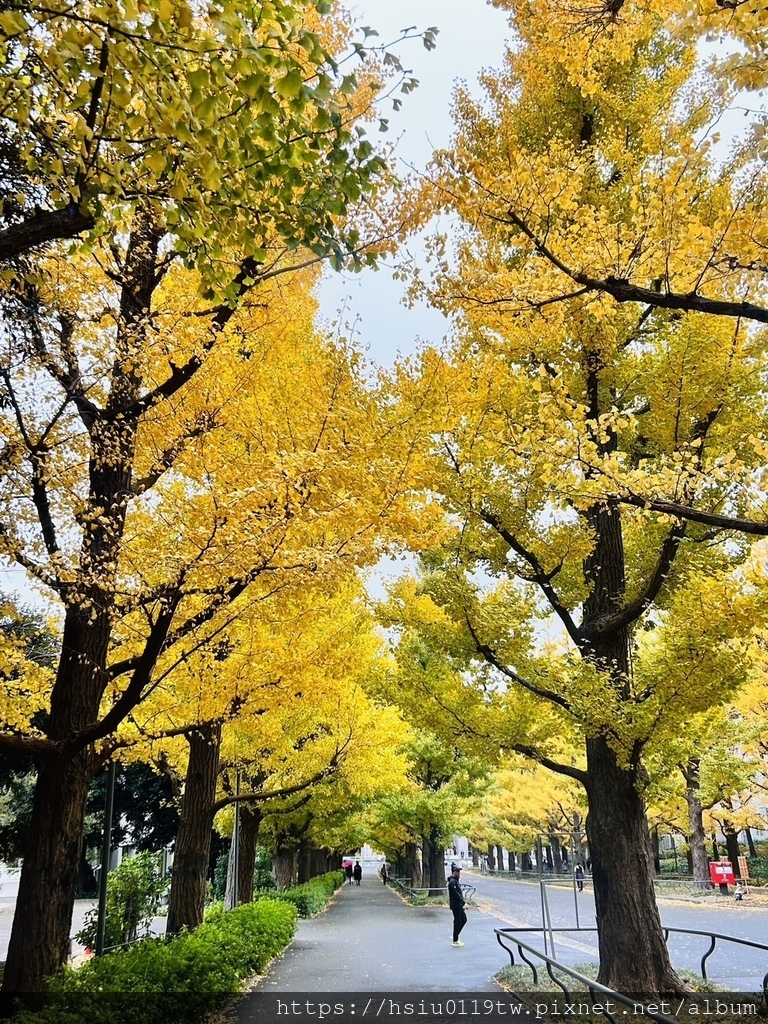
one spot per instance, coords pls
(750, 842)
(475, 856)
(715, 849)
(526, 864)
(250, 821)
(304, 861)
(412, 865)
(512, 861)
(655, 849)
(633, 955)
(39, 941)
(699, 863)
(284, 866)
(433, 862)
(557, 856)
(491, 859)
(578, 840)
(500, 858)
(193, 844)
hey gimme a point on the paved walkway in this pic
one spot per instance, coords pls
(369, 940)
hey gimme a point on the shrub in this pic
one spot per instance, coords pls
(311, 897)
(172, 981)
(134, 891)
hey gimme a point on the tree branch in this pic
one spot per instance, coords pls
(622, 290)
(541, 578)
(490, 656)
(555, 766)
(693, 515)
(41, 228)
(629, 614)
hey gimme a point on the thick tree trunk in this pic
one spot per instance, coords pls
(473, 852)
(304, 861)
(412, 865)
(39, 941)
(699, 862)
(633, 954)
(193, 843)
(512, 861)
(250, 821)
(433, 863)
(500, 858)
(491, 859)
(284, 866)
(318, 862)
(526, 864)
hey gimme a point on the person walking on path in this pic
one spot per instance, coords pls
(357, 872)
(579, 873)
(383, 872)
(457, 903)
(348, 872)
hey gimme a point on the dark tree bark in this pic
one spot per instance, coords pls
(284, 866)
(39, 940)
(698, 861)
(318, 862)
(557, 854)
(526, 863)
(512, 861)
(304, 861)
(412, 865)
(491, 859)
(193, 844)
(474, 854)
(622, 874)
(655, 850)
(250, 821)
(750, 842)
(433, 862)
(715, 849)
(500, 858)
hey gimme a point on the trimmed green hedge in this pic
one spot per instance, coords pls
(159, 981)
(311, 897)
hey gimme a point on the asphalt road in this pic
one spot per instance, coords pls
(738, 967)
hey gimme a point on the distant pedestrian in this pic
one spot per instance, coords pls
(578, 873)
(348, 872)
(357, 872)
(457, 903)
(383, 873)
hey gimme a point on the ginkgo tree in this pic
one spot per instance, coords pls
(538, 408)
(193, 155)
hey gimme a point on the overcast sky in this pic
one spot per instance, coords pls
(471, 36)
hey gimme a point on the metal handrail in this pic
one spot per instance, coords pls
(468, 890)
(593, 986)
(713, 936)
